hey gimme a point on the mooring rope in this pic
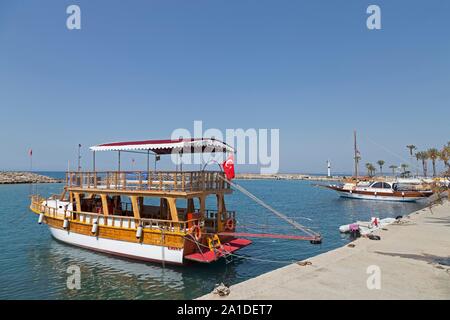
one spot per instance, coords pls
(403, 159)
(295, 224)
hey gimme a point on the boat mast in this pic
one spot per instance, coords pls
(356, 154)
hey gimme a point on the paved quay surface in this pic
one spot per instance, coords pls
(413, 258)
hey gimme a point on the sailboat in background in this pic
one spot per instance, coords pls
(380, 189)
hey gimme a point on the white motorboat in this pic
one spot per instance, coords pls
(365, 228)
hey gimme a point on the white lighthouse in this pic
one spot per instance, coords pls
(329, 168)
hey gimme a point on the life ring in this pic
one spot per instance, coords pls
(197, 232)
(229, 225)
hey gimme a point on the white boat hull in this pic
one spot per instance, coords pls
(376, 197)
(367, 227)
(139, 251)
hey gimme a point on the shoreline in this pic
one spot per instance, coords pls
(412, 258)
(286, 176)
(23, 177)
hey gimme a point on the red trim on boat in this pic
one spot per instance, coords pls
(150, 142)
(267, 235)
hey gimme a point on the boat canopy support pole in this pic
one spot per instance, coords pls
(173, 209)
(220, 211)
(105, 204)
(93, 161)
(77, 201)
(63, 195)
(135, 205)
(190, 205)
(202, 200)
(118, 167)
(148, 162)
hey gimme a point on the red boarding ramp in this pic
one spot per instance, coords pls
(269, 235)
(208, 256)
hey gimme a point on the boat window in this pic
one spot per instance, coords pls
(386, 185)
(377, 185)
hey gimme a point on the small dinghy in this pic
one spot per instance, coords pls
(366, 227)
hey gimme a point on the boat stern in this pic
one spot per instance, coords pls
(208, 254)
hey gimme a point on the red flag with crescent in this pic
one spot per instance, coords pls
(228, 167)
(30, 152)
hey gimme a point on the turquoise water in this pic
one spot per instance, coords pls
(34, 266)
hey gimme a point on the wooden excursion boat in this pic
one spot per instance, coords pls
(382, 191)
(146, 215)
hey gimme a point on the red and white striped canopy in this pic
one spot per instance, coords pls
(199, 145)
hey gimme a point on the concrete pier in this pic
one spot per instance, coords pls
(411, 261)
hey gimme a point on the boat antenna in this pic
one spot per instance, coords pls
(79, 157)
(356, 156)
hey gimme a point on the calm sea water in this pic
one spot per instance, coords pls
(34, 266)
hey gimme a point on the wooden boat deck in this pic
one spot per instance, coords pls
(158, 183)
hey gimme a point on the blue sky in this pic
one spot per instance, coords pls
(140, 69)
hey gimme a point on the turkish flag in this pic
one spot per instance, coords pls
(228, 167)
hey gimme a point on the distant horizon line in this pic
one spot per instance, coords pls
(237, 172)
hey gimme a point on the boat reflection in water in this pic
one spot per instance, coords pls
(108, 277)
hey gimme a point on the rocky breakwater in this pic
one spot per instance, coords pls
(9, 177)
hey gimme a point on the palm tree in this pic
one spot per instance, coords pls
(405, 173)
(447, 151)
(411, 147)
(393, 168)
(373, 169)
(370, 169)
(381, 164)
(433, 154)
(423, 156)
(445, 155)
(404, 166)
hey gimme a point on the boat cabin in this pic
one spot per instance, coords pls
(381, 185)
(171, 196)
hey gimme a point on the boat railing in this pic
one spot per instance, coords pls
(182, 181)
(212, 214)
(37, 204)
(211, 218)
